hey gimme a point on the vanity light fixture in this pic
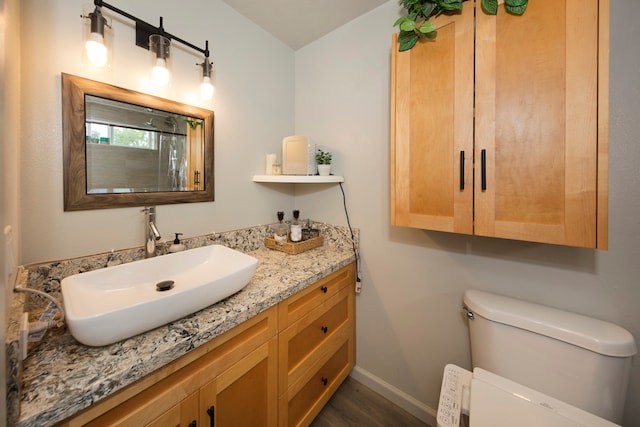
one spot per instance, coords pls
(95, 46)
(159, 47)
(154, 39)
(206, 87)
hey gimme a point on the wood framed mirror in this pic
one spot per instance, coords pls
(123, 148)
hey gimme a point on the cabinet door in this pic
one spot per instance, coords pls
(536, 126)
(432, 128)
(184, 414)
(246, 393)
(169, 402)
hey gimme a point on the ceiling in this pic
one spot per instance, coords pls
(299, 22)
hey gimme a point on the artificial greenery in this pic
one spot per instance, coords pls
(416, 24)
(323, 157)
(515, 7)
(194, 123)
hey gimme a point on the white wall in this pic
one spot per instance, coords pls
(409, 323)
(253, 111)
(9, 146)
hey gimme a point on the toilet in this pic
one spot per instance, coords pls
(483, 399)
(576, 359)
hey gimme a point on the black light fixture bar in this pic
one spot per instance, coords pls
(144, 30)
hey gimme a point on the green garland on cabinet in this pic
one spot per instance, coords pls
(416, 24)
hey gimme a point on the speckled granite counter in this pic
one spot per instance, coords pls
(60, 377)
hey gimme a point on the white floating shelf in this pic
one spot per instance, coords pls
(299, 179)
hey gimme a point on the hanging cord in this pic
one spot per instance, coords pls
(353, 241)
(44, 325)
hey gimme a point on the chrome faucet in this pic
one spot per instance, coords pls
(151, 234)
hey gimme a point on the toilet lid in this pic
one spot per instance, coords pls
(498, 402)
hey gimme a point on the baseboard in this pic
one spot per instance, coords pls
(395, 395)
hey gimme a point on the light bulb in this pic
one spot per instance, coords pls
(160, 74)
(96, 50)
(206, 88)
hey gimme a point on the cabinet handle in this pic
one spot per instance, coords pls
(193, 423)
(212, 412)
(324, 289)
(462, 170)
(483, 161)
(324, 381)
(324, 329)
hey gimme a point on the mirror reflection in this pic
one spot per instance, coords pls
(131, 148)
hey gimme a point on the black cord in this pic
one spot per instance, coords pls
(353, 241)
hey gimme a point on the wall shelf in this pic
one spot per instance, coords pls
(299, 179)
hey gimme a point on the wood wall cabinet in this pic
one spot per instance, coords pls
(499, 127)
(251, 375)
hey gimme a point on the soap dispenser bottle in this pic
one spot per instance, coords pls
(281, 231)
(177, 246)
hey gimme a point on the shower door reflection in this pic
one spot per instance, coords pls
(133, 149)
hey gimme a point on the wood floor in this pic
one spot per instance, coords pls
(355, 405)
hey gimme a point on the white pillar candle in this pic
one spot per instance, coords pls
(271, 159)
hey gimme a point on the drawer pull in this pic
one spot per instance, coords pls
(324, 381)
(193, 423)
(324, 289)
(483, 171)
(212, 412)
(461, 170)
(324, 329)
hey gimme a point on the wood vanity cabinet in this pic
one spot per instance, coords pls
(277, 368)
(499, 127)
(232, 378)
(316, 346)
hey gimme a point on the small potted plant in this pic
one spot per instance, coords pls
(323, 159)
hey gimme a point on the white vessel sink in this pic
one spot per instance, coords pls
(114, 303)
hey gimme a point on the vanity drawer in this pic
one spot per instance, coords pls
(298, 305)
(301, 342)
(303, 403)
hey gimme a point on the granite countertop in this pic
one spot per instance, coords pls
(60, 377)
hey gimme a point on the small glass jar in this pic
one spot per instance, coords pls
(306, 230)
(277, 168)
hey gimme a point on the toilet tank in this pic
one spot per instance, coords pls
(583, 361)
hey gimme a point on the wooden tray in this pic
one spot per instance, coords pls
(293, 248)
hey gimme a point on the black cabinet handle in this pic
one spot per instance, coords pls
(212, 415)
(324, 289)
(483, 161)
(461, 170)
(324, 329)
(324, 381)
(193, 423)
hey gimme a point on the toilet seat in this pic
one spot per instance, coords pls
(495, 401)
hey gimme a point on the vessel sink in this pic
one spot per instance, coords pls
(111, 304)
